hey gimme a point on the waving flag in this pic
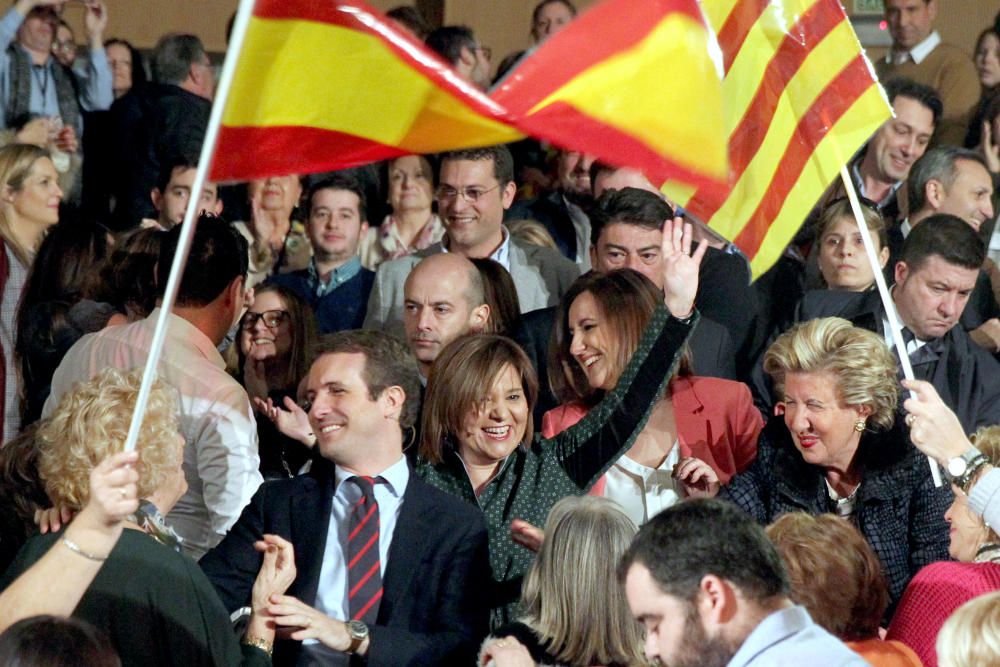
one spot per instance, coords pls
(327, 85)
(633, 83)
(800, 98)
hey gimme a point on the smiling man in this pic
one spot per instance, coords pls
(711, 591)
(389, 568)
(935, 275)
(335, 284)
(918, 53)
(474, 189)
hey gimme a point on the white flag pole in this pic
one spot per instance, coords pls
(883, 290)
(243, 15)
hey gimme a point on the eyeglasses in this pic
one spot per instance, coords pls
(472, 195)
(69, 46)
(272, 318)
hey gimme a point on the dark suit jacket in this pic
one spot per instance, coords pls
(551, 212)
(711, 351)
(726, 297)
(431, 611)
(966, 376)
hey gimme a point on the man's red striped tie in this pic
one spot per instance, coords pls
(364, 575)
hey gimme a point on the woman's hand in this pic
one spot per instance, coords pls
(934, 428)
(277, 571)
(293, 422)
(506, 652)
(698, 478)
(66, 140)
(255, 378)
(680, 267)
(526, 534)
(35, 132)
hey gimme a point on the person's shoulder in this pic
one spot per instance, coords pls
(824, 302)
(403, 265)
(952, 53)
(546, 259)
(447, 507)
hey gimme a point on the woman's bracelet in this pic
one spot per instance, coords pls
(75, 548)
(257, 642)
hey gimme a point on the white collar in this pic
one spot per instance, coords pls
(918, 52)
(395, 476)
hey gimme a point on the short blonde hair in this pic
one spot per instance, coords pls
(971, 636)
(92, 422)
(833, 573)
(580, 610)
(863, 365)
(987, 441)
(531, 232)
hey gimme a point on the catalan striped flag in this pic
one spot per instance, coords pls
(632, 82)
(800, 99)
(323, 85)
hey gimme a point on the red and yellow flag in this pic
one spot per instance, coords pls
(800, 98)
(328, 85)
(632, 83)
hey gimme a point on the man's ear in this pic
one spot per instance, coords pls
(217, 209)
(900, 272)
(934, 193)
(393, 400)
(717, 603)
(157, 198)
(479, 317)
(507, 194)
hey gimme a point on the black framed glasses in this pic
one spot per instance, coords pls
(272, 318)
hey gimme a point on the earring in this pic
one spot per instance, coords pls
(859, 426)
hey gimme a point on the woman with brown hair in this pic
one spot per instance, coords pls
(478, 439)
(837, 577)
(701, 432)
(29, 205)
(843, 260)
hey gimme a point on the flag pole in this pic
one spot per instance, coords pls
(243, 14)
(883, 290)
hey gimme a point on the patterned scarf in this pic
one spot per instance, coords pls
(21, 77)
(151, 521)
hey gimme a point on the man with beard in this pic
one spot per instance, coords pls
(711, 591)
(562, 210)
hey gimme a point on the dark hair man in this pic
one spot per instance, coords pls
(458, 45)
(216, 420)
(413, 596)
(173, 191)
(334, 284)
(711, 591)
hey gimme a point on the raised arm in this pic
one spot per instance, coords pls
(586, 450)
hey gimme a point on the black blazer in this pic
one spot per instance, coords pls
(430, 613)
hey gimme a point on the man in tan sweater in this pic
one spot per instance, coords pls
(918, 53)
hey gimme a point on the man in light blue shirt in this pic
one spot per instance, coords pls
(711, 591)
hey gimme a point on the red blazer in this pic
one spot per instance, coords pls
(716, 422)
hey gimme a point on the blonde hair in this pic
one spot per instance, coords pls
(971, 636)
(864, 368)
(532, 232)
(987, 441)
(571, 596)
(92, 422)
(833, 573)
(16, 161)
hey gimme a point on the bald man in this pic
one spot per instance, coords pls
(443, 299)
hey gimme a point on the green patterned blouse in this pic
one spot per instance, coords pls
(534, 477)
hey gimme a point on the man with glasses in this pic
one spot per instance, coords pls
(475, 187)
(334, 284)
(34, 83)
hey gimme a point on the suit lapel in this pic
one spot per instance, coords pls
(309, 523)
(408, 544)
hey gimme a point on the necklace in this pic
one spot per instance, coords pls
(843, 507)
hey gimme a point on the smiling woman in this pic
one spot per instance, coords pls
(838, 448)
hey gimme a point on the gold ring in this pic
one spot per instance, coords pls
(910, 418)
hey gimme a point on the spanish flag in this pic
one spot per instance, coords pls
(633, 83)
(800, 99)
(323, 85)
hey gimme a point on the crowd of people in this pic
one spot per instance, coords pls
(501, 406)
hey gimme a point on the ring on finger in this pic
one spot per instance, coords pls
(124, 494)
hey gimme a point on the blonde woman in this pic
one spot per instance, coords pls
(153, 602)
(575, 616)
(971, 637)
(29, 205)
(837, 447)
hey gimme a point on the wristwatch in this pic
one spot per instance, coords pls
(358, 632)
(962, 468)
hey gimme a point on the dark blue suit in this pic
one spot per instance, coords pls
(430, 613)
(342, 309)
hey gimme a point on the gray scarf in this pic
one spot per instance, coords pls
(21, 76)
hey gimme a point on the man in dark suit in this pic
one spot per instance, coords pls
(474, 189)
(387, 565)
(934, 278)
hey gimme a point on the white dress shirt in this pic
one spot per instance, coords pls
(220, 456)
(918, 53)
(331, 596)
(644, 492)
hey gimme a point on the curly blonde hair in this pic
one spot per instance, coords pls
(863, 365)
(971, 636)
(91, 423)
